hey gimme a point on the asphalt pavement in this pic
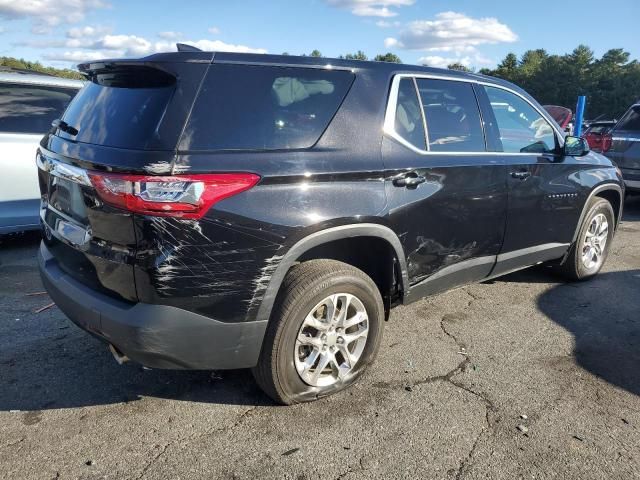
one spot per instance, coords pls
(522, 377)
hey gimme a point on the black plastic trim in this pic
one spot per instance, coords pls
(599, 189)
(157, 336)
(325, 236)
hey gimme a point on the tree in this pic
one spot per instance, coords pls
(316, 53)
(611, 83)
(531, 61)
(508, 68)
(387, 57)
(359, 55)
(23, 64)
(459, 66)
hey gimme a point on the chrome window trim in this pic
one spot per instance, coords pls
(63, 170)
(392, 102)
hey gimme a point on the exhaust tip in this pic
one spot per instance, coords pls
(118, 355)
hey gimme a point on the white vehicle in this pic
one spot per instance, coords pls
(29, 102)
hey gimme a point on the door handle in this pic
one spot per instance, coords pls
(409, 181)
(521, 175)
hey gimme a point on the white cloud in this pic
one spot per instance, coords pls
(131, 44)
(438, 61)
(451, 32)
(371, 8)
(87, 32)
(220, 46)
(46, 14)
(123, 46)
(170, 35)
(76, 56)
(214, 31)
(1, 29)
(442, 62)
(391, 42)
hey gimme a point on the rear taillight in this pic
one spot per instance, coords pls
(184, 196)
(607, 140)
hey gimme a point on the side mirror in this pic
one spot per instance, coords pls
(575, 146)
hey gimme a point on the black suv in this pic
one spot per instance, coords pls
(624, 147)
(218, 211)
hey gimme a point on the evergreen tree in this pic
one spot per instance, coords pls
(387, 57)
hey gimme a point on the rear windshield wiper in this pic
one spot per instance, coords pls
(65, 127)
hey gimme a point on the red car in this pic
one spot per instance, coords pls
(597, 135)
(561, 115)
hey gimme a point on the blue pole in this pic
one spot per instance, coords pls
(582, 100)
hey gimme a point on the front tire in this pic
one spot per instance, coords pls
(588, 254)
(325, 329)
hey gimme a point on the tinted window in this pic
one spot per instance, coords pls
(31, 108)
(522, 128)
(631, 120)
(117, 116)
(452, 115)
(408, 121)
(599, 129)
(244, 107)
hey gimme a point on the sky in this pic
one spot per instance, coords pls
(475, 33)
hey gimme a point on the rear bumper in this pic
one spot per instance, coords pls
(157, 336)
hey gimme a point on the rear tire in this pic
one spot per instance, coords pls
(590, 251)
(325, 329)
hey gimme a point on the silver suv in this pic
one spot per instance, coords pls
(28, 104)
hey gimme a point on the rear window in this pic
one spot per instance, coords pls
(121, 109)
(31, 108)
(243, 107)
(631, 120)
(599, 129)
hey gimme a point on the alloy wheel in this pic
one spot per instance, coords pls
(595, 241)
(331, 340)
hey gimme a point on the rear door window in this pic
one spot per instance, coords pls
(452, 116)
(631, 120)
(30, 109)
(242, 107)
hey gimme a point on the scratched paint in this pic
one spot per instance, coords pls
(204, 265)
(261, 283)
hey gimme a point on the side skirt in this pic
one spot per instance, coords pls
(481, 269)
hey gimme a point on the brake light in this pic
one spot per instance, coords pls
(184, 196)
(607, 141)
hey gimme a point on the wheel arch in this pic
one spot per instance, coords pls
(611, 192)
(323, 237)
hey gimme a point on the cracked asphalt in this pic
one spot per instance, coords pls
(521, 377)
